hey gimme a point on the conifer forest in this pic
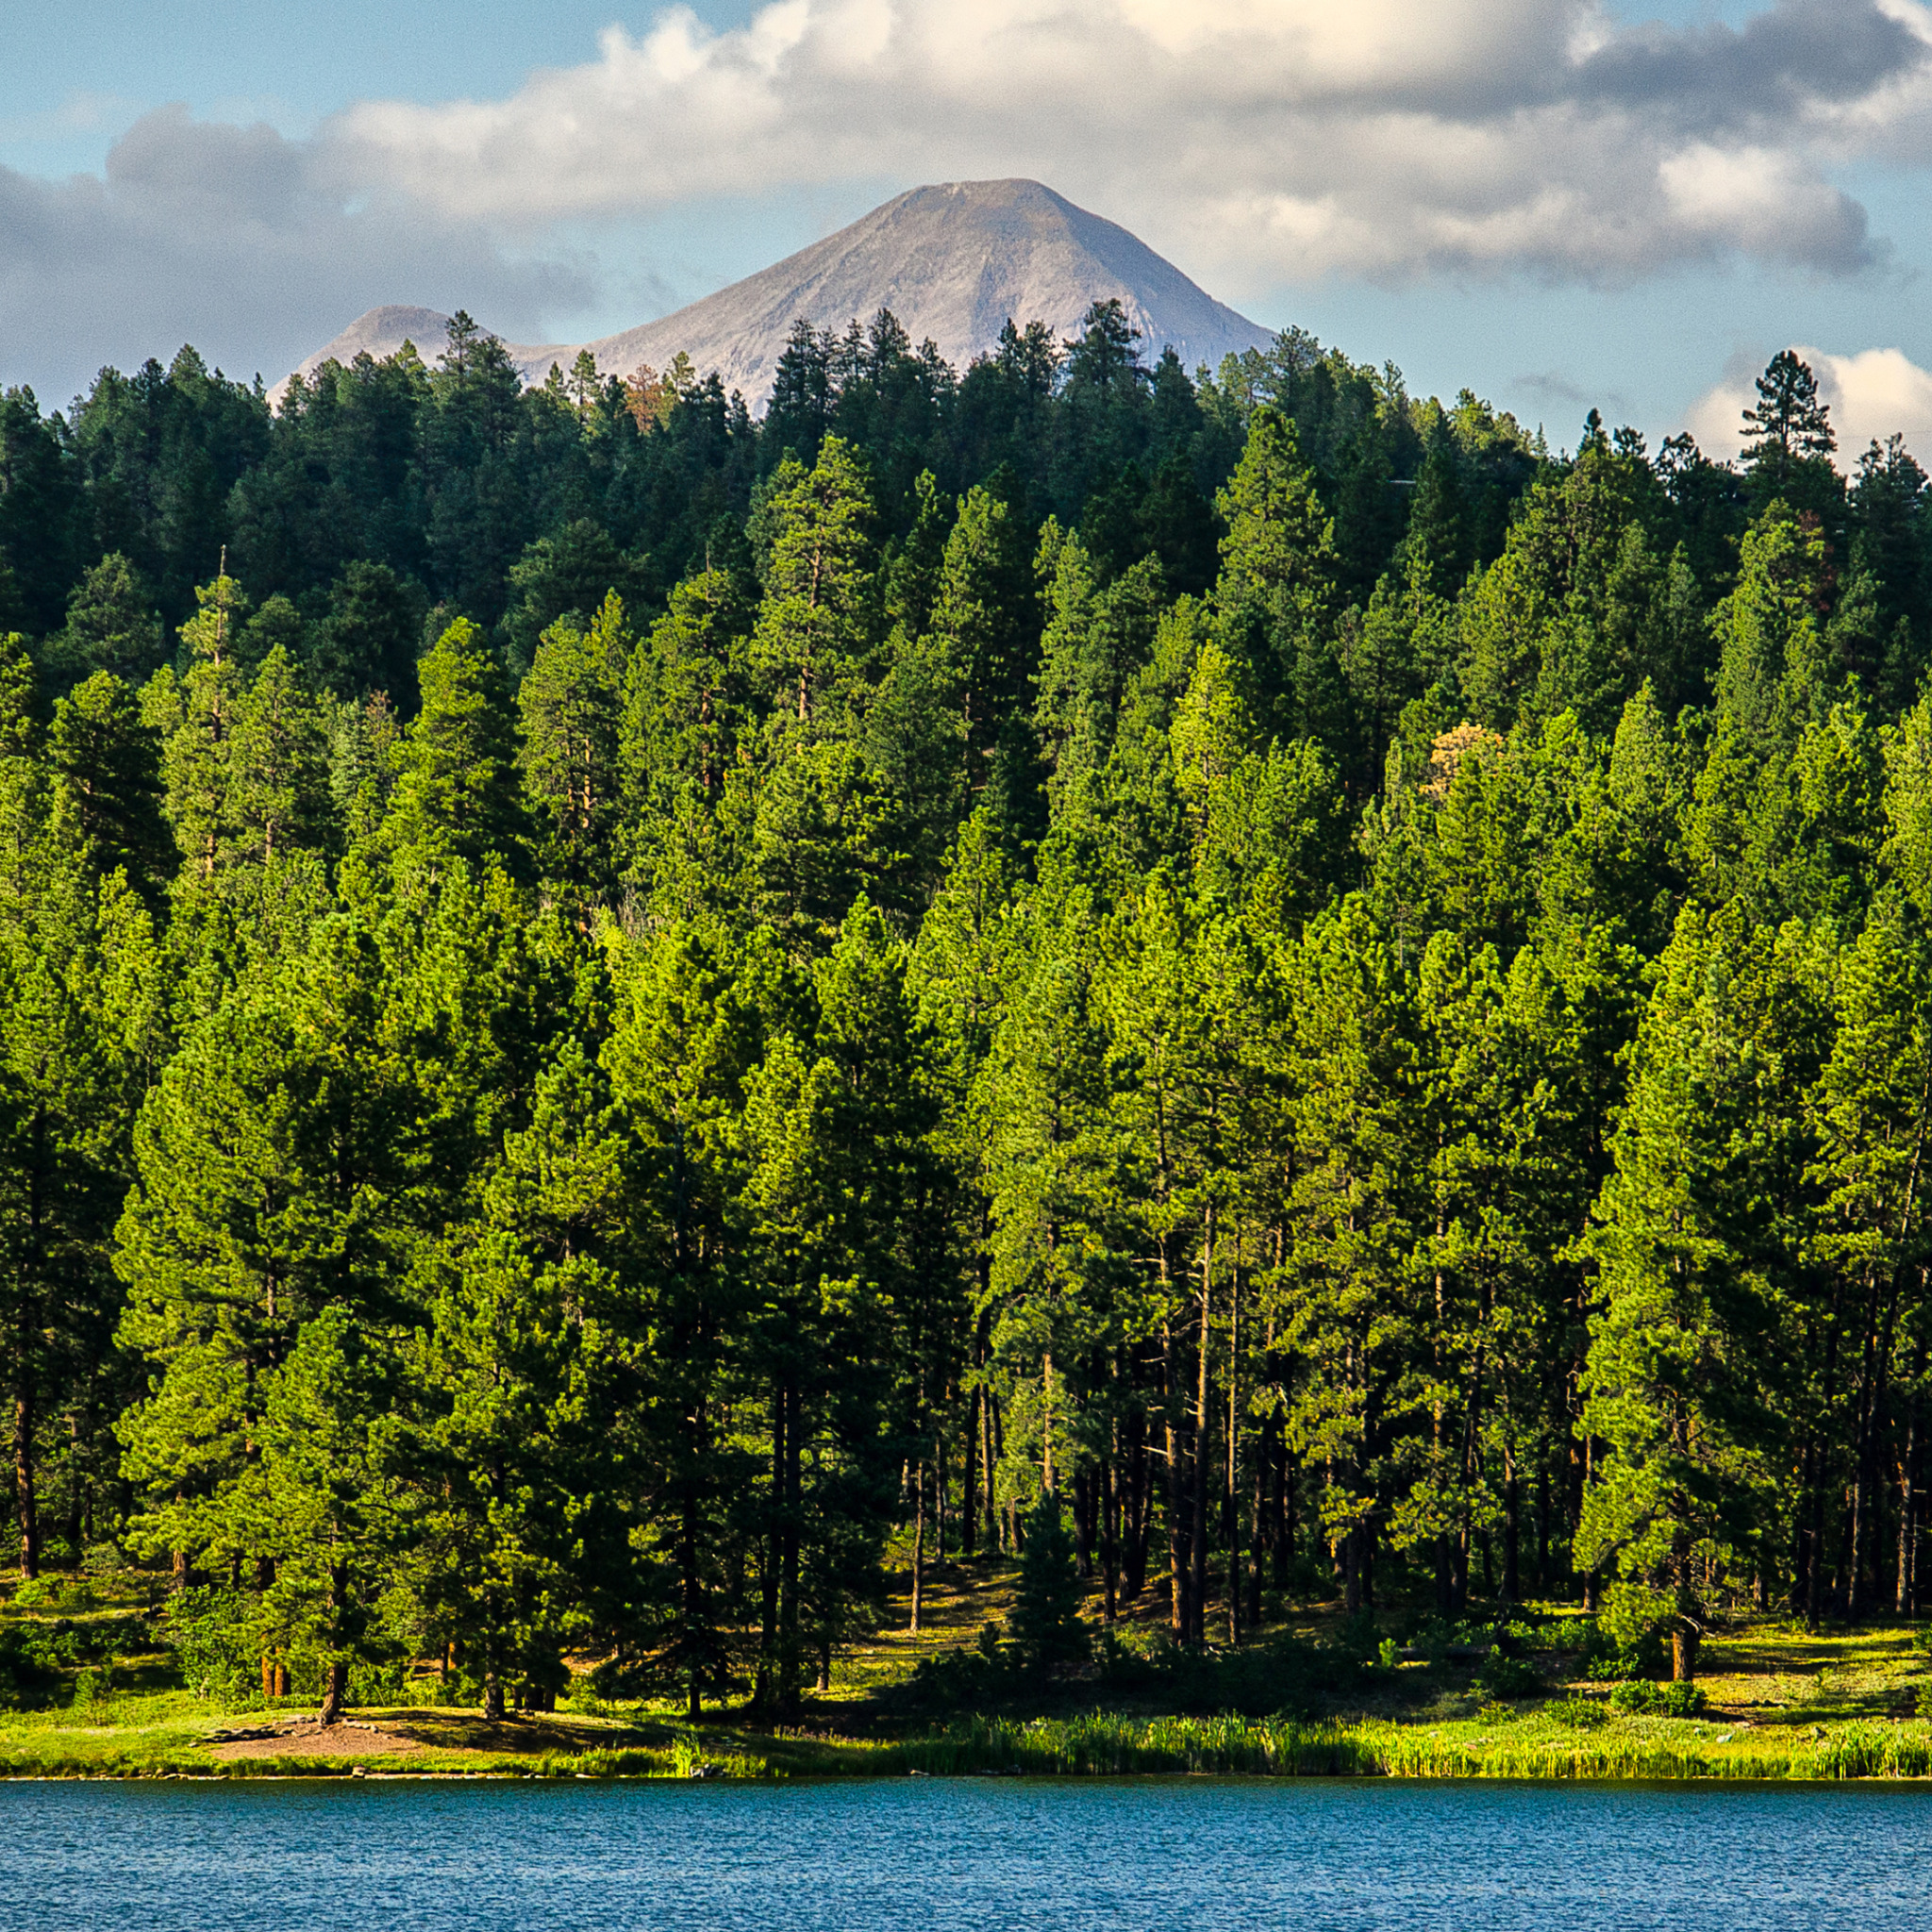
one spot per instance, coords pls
(616, 1018)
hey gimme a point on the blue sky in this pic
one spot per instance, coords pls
(1553, 202)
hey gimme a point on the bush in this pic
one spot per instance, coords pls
(52, 1593)
(1641, 1697)
(1581, 1713)
(31, 1662)
(1606, 1661)
(1507, 1677)
(212, 1635)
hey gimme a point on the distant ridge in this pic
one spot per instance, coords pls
(952, 262)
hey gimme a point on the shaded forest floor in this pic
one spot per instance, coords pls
(1307, 1693)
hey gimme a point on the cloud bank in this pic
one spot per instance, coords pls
(1279, 137)
(227, 237)
(1257, 142)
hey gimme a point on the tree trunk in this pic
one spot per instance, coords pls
(1683, 1644)
(25, 1502)
(338, 1684)
(1512, 1534)
(1197, 1632)
(1257, 1520)
(968, 1489)
(691, 1594)
(1907, 1595)
(918, 1542)
(1179, 1620)
(1136, 1509)
(790, 1653)
(1109, 1479)
(765, 1690)
(990, 1416)
(1046, 1474)
(1234, 1472)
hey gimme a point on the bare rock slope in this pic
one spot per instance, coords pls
(952, 262)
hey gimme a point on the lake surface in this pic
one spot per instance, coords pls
(979, 1854)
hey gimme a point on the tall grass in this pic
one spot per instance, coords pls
(1108, 1744)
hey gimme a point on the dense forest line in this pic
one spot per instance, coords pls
(606, 1006)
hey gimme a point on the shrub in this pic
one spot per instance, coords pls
(1507, 1677)
(1580, 1713)
(212, 1635)
(31, 1662)
(1641, 1697)
(1606, 1661)
(51, 1593)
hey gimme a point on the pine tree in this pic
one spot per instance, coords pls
(1689, 1361)
(819, 625)
(1046, 1605)
(456, 791)
(685, 1040)
(1788, 424)
(572, 703)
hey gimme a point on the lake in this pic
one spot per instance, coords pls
(979, 1854)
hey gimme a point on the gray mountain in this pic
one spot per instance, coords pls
(380, 332)
(952, 262)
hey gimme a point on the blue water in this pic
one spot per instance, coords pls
(978, 1855)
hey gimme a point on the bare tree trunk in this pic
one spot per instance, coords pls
(765, 1689)
(1180, 1621)
(1684, 1645)
(25, 1501)
(1110, 1531)
(1512, 1502)
(918, 1542)
(989, 1413)
(1234, 1494)
(1197, 1593)
(1906, 1594)
(789, 1653)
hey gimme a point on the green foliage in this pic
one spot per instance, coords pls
(1501, 1675)
(1046, 1607)
(1579, 1713)
(1641, 1697)
(212, 1632)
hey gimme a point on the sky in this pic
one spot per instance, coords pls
(1558, 204)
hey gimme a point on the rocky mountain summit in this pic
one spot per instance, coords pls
(952, 262)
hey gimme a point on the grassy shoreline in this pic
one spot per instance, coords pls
(1100, 1744)
(1784, 1703)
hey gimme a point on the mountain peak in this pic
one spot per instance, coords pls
(953, 261)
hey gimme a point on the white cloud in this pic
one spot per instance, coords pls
(222, 236)
(1262, 138)
(1873, 393)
